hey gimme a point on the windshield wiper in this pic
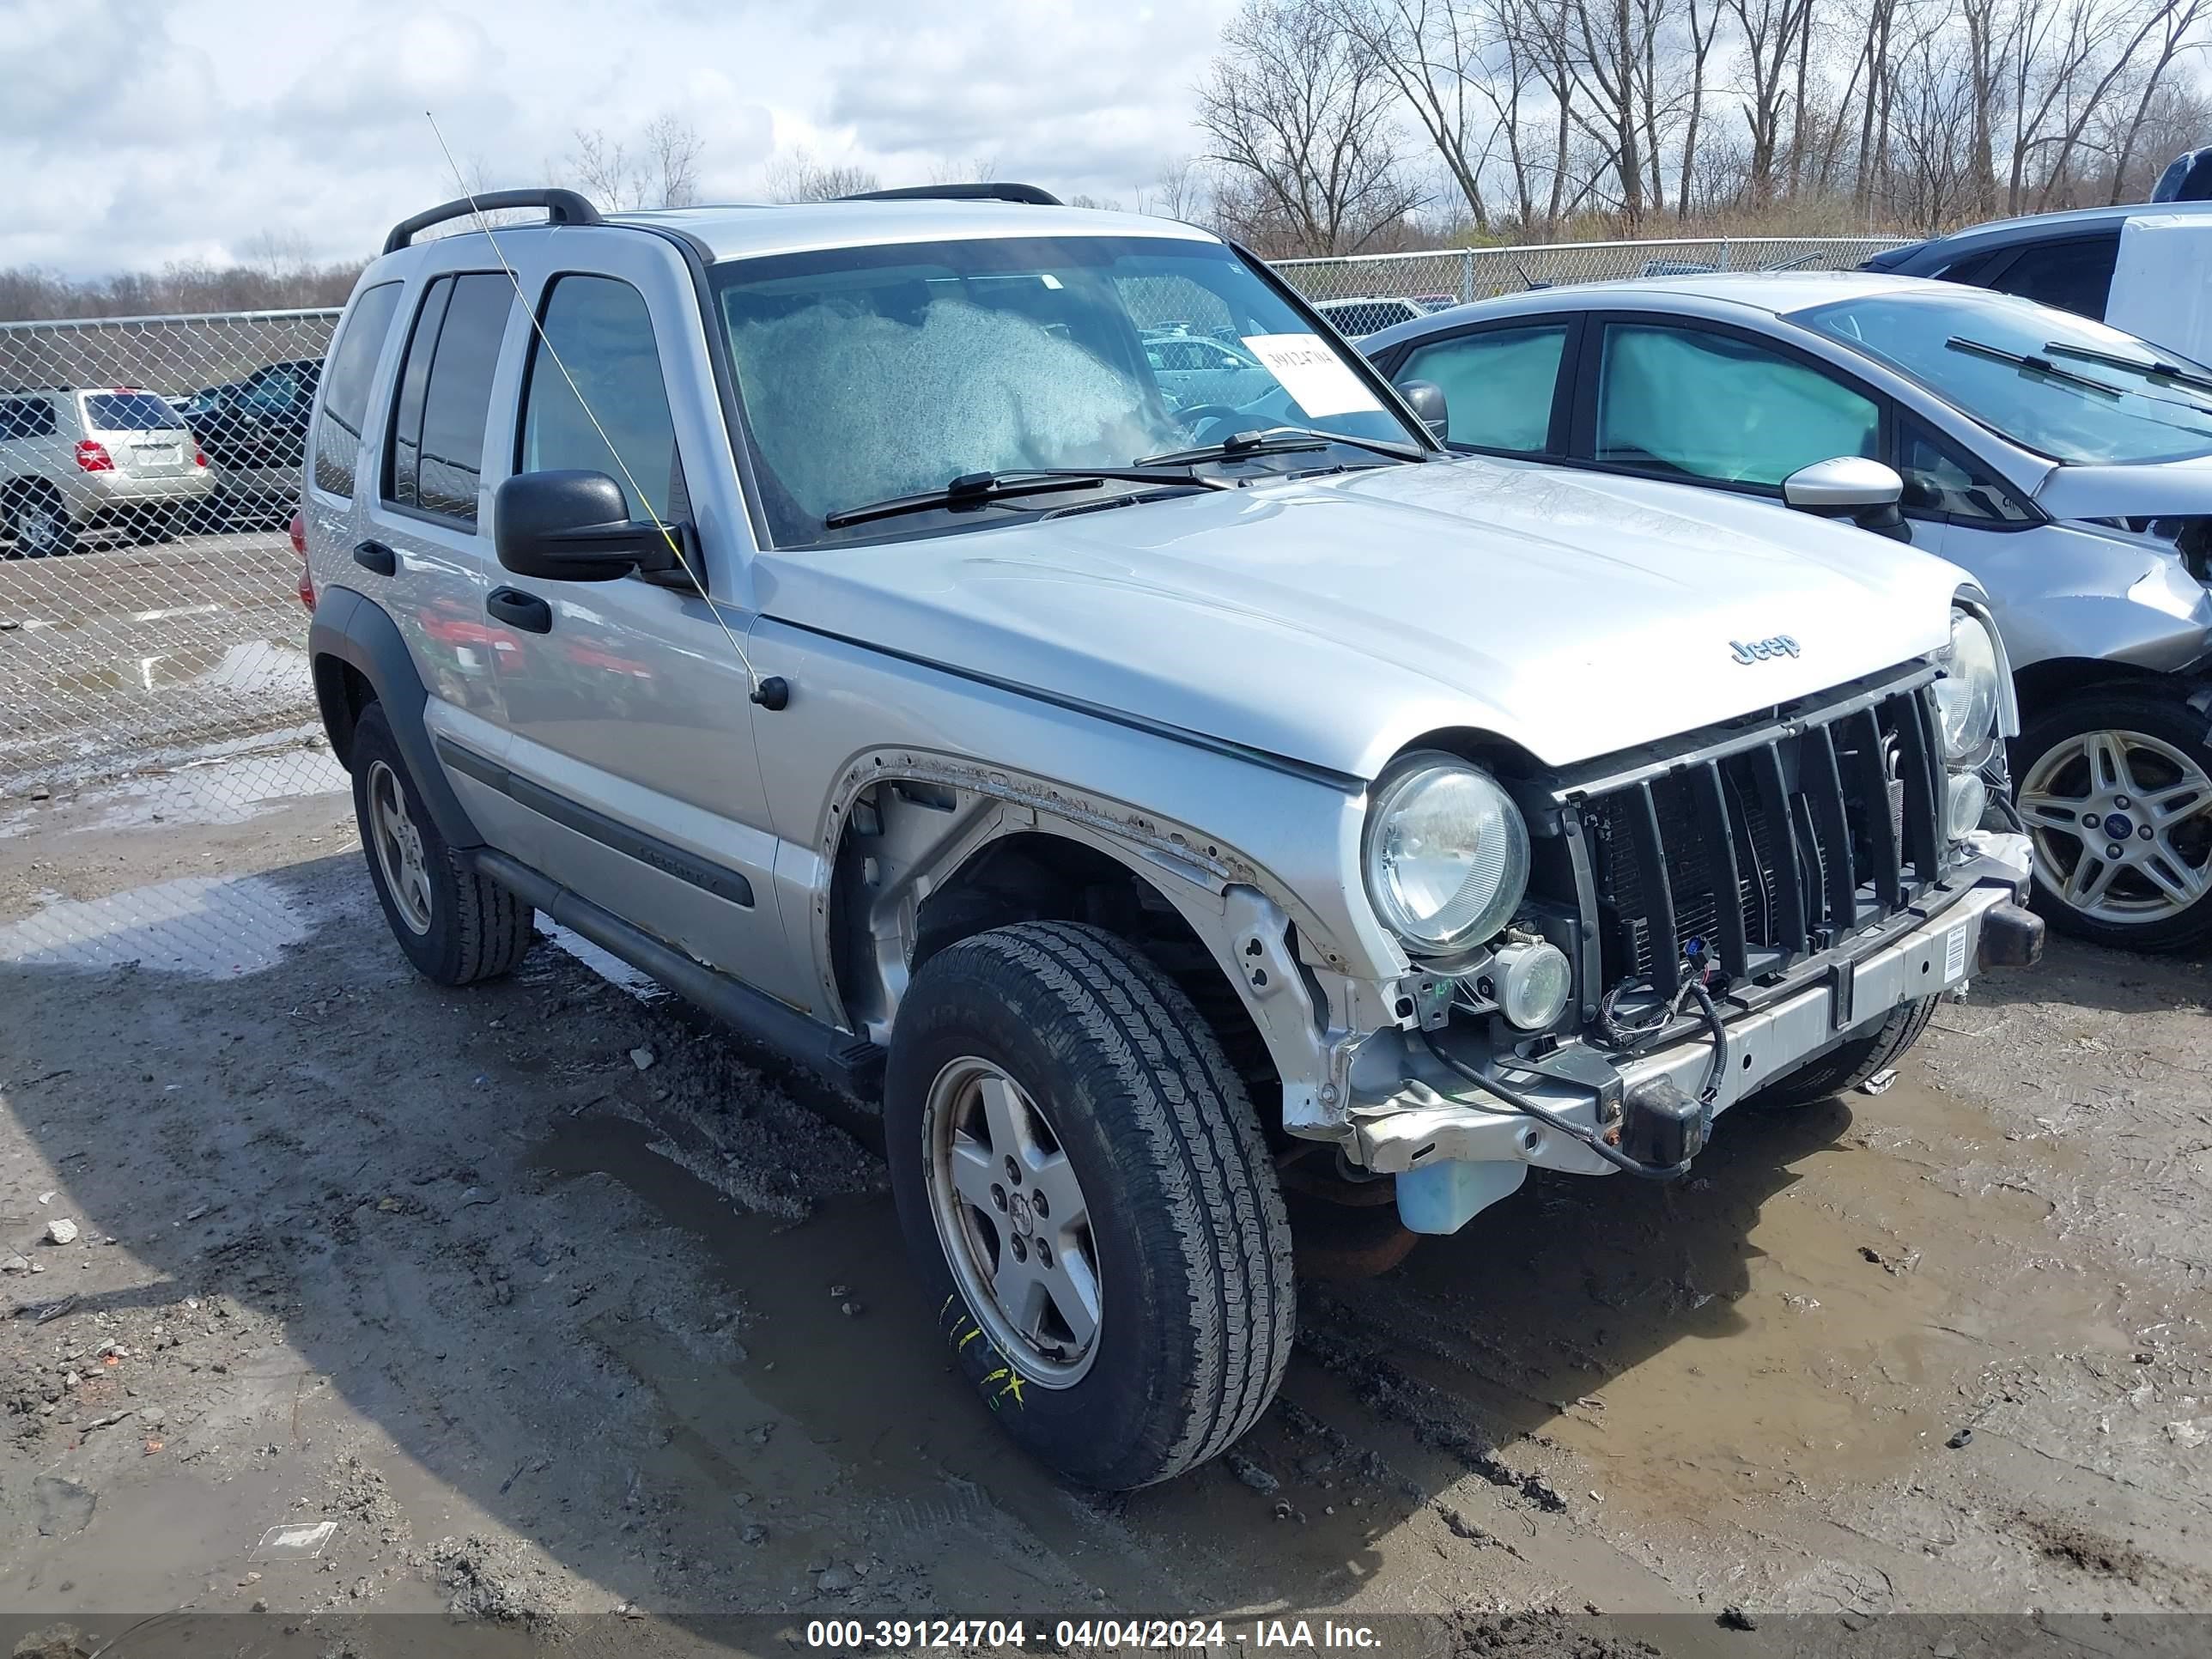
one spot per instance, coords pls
(2153, 369)
(2034, 365)
(1282, 441)
(975, 488)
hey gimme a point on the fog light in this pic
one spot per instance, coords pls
(1533, 982)
(1969, 795)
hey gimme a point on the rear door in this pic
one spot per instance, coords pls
(422, 552)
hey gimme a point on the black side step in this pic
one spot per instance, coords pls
(854, 1064)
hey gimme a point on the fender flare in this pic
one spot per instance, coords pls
(354, 630)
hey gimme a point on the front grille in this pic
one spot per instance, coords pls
(1766, 854)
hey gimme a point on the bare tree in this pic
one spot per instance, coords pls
(1701, 47)
(1771, 30)
(2176, 24)
(798, 177)
(1300, 116)
(660, 168)
(672, 154)
(1182, 190)
(1432, 50)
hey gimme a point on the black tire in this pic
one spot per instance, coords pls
(1851, 1062)
(2145, 712)
(471, 928)
(1197, 1305)
(58, 539)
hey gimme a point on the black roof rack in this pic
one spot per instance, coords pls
(562, 206)
(1028, 194)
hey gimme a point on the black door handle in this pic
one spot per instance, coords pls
(520, 610)
(375, 556)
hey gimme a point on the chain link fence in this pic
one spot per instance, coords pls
(150, 637)
(1459, 276)
(150, 633)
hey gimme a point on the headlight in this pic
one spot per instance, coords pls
(1447, 855)
(1966, 695)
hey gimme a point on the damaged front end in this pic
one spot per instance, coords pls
(1701, 919)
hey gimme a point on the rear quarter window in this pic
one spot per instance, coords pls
(353, 357)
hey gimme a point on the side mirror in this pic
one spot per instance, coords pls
(574, 526)
(1850, 487)
(1426, 399)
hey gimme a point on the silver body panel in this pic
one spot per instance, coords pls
(1199, 687)
(2067, 589)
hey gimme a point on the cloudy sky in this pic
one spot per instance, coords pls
(135, 133)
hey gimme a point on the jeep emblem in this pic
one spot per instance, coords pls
(1779, 645)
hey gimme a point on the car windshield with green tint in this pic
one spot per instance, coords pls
(870, 374)
(2052, 382)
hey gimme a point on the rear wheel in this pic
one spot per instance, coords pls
(1853, 1062)
(2116, 789)
(455, 925)
(1088, 1198)
(39, 521)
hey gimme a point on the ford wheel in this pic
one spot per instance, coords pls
(2116, 791)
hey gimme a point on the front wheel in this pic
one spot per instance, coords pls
(2116, 790)
(1088, 1199)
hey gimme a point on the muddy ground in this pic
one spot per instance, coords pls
(550, 1301)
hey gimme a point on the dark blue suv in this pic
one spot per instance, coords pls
(2061, 260)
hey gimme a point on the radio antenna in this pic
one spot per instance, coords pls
(769, 693)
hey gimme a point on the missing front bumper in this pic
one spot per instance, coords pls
(1428, 1120)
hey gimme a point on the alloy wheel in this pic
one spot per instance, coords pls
(1013, 1221)
(2122, 823)
(398, 846)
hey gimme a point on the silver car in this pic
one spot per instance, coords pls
(2066, 464)
(76, 459)
(1155, 804)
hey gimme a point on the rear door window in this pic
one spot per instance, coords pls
(437, 456)
(2074, 275)
(353, 366)
(1498, 385)
(1695, 404)
(129, 411)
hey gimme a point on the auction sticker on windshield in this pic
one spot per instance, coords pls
(1321, 381)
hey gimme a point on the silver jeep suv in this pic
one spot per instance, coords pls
(1164, 806)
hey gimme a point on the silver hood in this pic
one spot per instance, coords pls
(2150, 489)
(1333, 620)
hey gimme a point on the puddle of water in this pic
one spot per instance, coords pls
(208, 927)
(875, 1391)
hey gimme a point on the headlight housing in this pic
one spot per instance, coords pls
(1967, 695)
(1446, 854)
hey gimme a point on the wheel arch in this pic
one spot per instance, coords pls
(357, 655)
(918, 862)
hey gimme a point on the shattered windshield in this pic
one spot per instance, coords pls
(871, 373)
(2052, 382)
